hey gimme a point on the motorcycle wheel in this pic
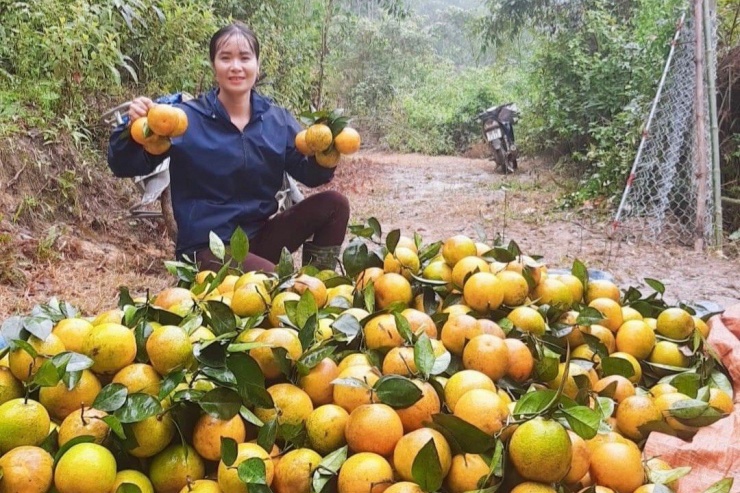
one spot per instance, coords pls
(500, 157)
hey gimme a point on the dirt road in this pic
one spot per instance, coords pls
(433, 196)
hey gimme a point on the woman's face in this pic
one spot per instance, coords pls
(235, 65)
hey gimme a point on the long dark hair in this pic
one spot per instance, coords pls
(235, 29)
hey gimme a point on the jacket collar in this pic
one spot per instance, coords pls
(209, 105)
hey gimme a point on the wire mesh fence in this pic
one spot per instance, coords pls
(661, 201)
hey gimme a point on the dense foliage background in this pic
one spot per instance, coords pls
(412, 73)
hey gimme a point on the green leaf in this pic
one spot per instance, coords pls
(267, 434)
(239, 245)
(216, 245)
(665, 477)
(582, 420)
(229, 450)
(721, 486)
(719, 380)
(221, 403)
(250, 417)
(403, 327)
(397, 391)
(220, 317)
(307, 334)
(252, 471)
(391, 241)
(589, 316)
(375, 226)
(18, 343)
(368, 295)
(606, 406)
(285, 266)
(441, 364)
(534, 402)
(471, 439)
(111, 397)
(687, 383)
(124, 298)
(348, 325)
(210, 353)
(546, 368)
(310, 359)
(429, 251)
(138, 407)
(115, 426)
(249, 379)
(581, 272)
(282, 359)
(426, 469)
(75, 441)
(617, 366)
(356, 258)
(327, 469)
(47, 375)
(39, 326)
(424, 355)
(656, 285)
(142, 331)
(169, 383)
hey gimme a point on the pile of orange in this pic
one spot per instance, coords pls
(447, 367)
(162, 122)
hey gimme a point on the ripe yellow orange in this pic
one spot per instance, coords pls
(466, 267)
(85, 468)
(365, 473)
(301, 145)
(325, 428)
(601, 288)
(371, 274)
(488, 354)
(350, 397)
(84, 421)
(521, 361)
(169, 349)
(138, 478)
(635, 337)
(513, 286)
(482, 408)
(635, 411)
(541, 450)
(157, 145)
(174, 299)
(381, 332)
(466, 472)
(456, 248)
(400, 361)
(23, 366)
(571, 387)
(250, 299)
(228, 477)
(580, 459)
(294, 471)
(552, 291)
(318, 137)
(111, 346)
(457, 330)
(420, 412)
(623, 388)
(574, 284)
(462, 382)
(533, 487)
(26, 469)
(182, 122)
(140, 131)
(10, 387)
(164, 119)
(409, 446)
(668, 353)
(606, 337)
(658, 464)
(328, 158)
(402, 261)
(72, 331)
(617, 466)
(420, 322)
(701, 326)
(404, 487)
(152, 435)
(392, 288)
(60, 401)
(292, 405)
(611, 310)
(22, 422)
(664, 404)
(482, 291)
(347, 141)
(139, 377)
(527, 319)
(317, 383)
(721, 400)
(209, 430)
(629, 313)
(675, 323)
(314, 285)
(635, 378)
(354, 359)
(272, 338)
(363, 425)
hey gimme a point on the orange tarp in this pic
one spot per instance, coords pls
(714, 452)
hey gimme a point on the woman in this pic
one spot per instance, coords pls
(228, 166)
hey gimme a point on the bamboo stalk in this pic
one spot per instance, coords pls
(714, 129)
(701, 141)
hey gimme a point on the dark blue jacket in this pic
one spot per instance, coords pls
(220, 177)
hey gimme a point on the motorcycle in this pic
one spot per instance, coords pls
(498, 128)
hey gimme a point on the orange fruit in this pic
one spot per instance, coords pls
(400, 361)
(466, 267)
(347, 141)
(552, 291)
(318, 137)
(482, 291)
(111, 346)
(402, 261)
(527, 319)
(533, 487)
(350, 397)
(482, 408)
(209, 430)
(668, 353)
(541, 450)
(300, 144)
(23, 366)
(294, 471)
(635, 411)
(85, 468)
(272, 338)
(664, 404)
(314, 285)
(623, 388)
(721, 400)
(169, 349)
(462, 382)
(611, 310)
(409, 446)
(466, 472)
(139, 377)
(606, 337)
(456, 248)
(365, 473)
(420, 412)
(164, 119)
(174, 299)
(617, 466)
(574, 284)
(140, 131)
(513, 286)
(292, 405)
(228, 477)
(637, 376)
(157, 145)
(26, 469)
(488, 354)
(601, 288)
(371, 274)
(182, 122)
(392, 288)
(72, 331)
(404, 487)
(675, 323)
(60, 401)
(635, 337)
(22, 422)
(83, 421)
(328, 158)
(325, 428)
(381, 332)
(521, 361)
(580, 459)
(317, 383)
(420, 322)
(362, 428)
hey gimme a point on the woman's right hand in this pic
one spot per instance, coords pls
(139, 107)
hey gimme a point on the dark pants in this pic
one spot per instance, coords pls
(324, 216)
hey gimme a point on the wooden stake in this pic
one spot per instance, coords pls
(699, 128)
